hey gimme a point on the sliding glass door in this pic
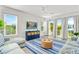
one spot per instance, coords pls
(59, 28)
(70, 27)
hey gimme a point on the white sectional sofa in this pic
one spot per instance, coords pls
(12, 48)
(9, 48)
(18, 40)
(71, 47)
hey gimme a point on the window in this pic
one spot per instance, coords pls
(70, 29)
(59, 28)
(10, 26)
(51, 27)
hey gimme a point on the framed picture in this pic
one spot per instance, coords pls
(31, 25)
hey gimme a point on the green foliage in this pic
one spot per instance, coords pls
(59, 29)
(1, 23)
(10, 29)
(76, 33)
(51, 27)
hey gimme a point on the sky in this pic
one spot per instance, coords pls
(71, 20)
(10, 19)
(59, 21)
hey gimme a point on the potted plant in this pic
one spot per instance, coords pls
(75, 37)
(76, 33)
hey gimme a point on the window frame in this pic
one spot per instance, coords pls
(67, 24)
(51, 21)
(16, 24)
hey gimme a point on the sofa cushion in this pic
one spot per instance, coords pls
(70, 47)
(18, 50)
(8, 47)
(17, 40)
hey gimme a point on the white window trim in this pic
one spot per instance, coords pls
(16, 25)
(67, 25)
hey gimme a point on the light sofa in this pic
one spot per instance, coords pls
(9, 48)
(12, 48)
(71, 47)
(18, 40)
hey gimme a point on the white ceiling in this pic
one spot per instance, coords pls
(46, 10)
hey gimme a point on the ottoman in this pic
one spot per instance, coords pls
(46, 43)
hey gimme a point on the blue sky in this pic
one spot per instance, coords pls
(10, 19)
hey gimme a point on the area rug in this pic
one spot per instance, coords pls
(34, 46)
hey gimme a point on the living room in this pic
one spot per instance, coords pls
(39, 29)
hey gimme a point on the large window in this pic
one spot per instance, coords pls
(70, 29)
(51, 27)
(10, 24)
(59, 28)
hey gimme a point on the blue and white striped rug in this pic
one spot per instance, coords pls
(35, 47)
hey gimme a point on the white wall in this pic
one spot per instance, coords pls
(0, 11)
(22, 18)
